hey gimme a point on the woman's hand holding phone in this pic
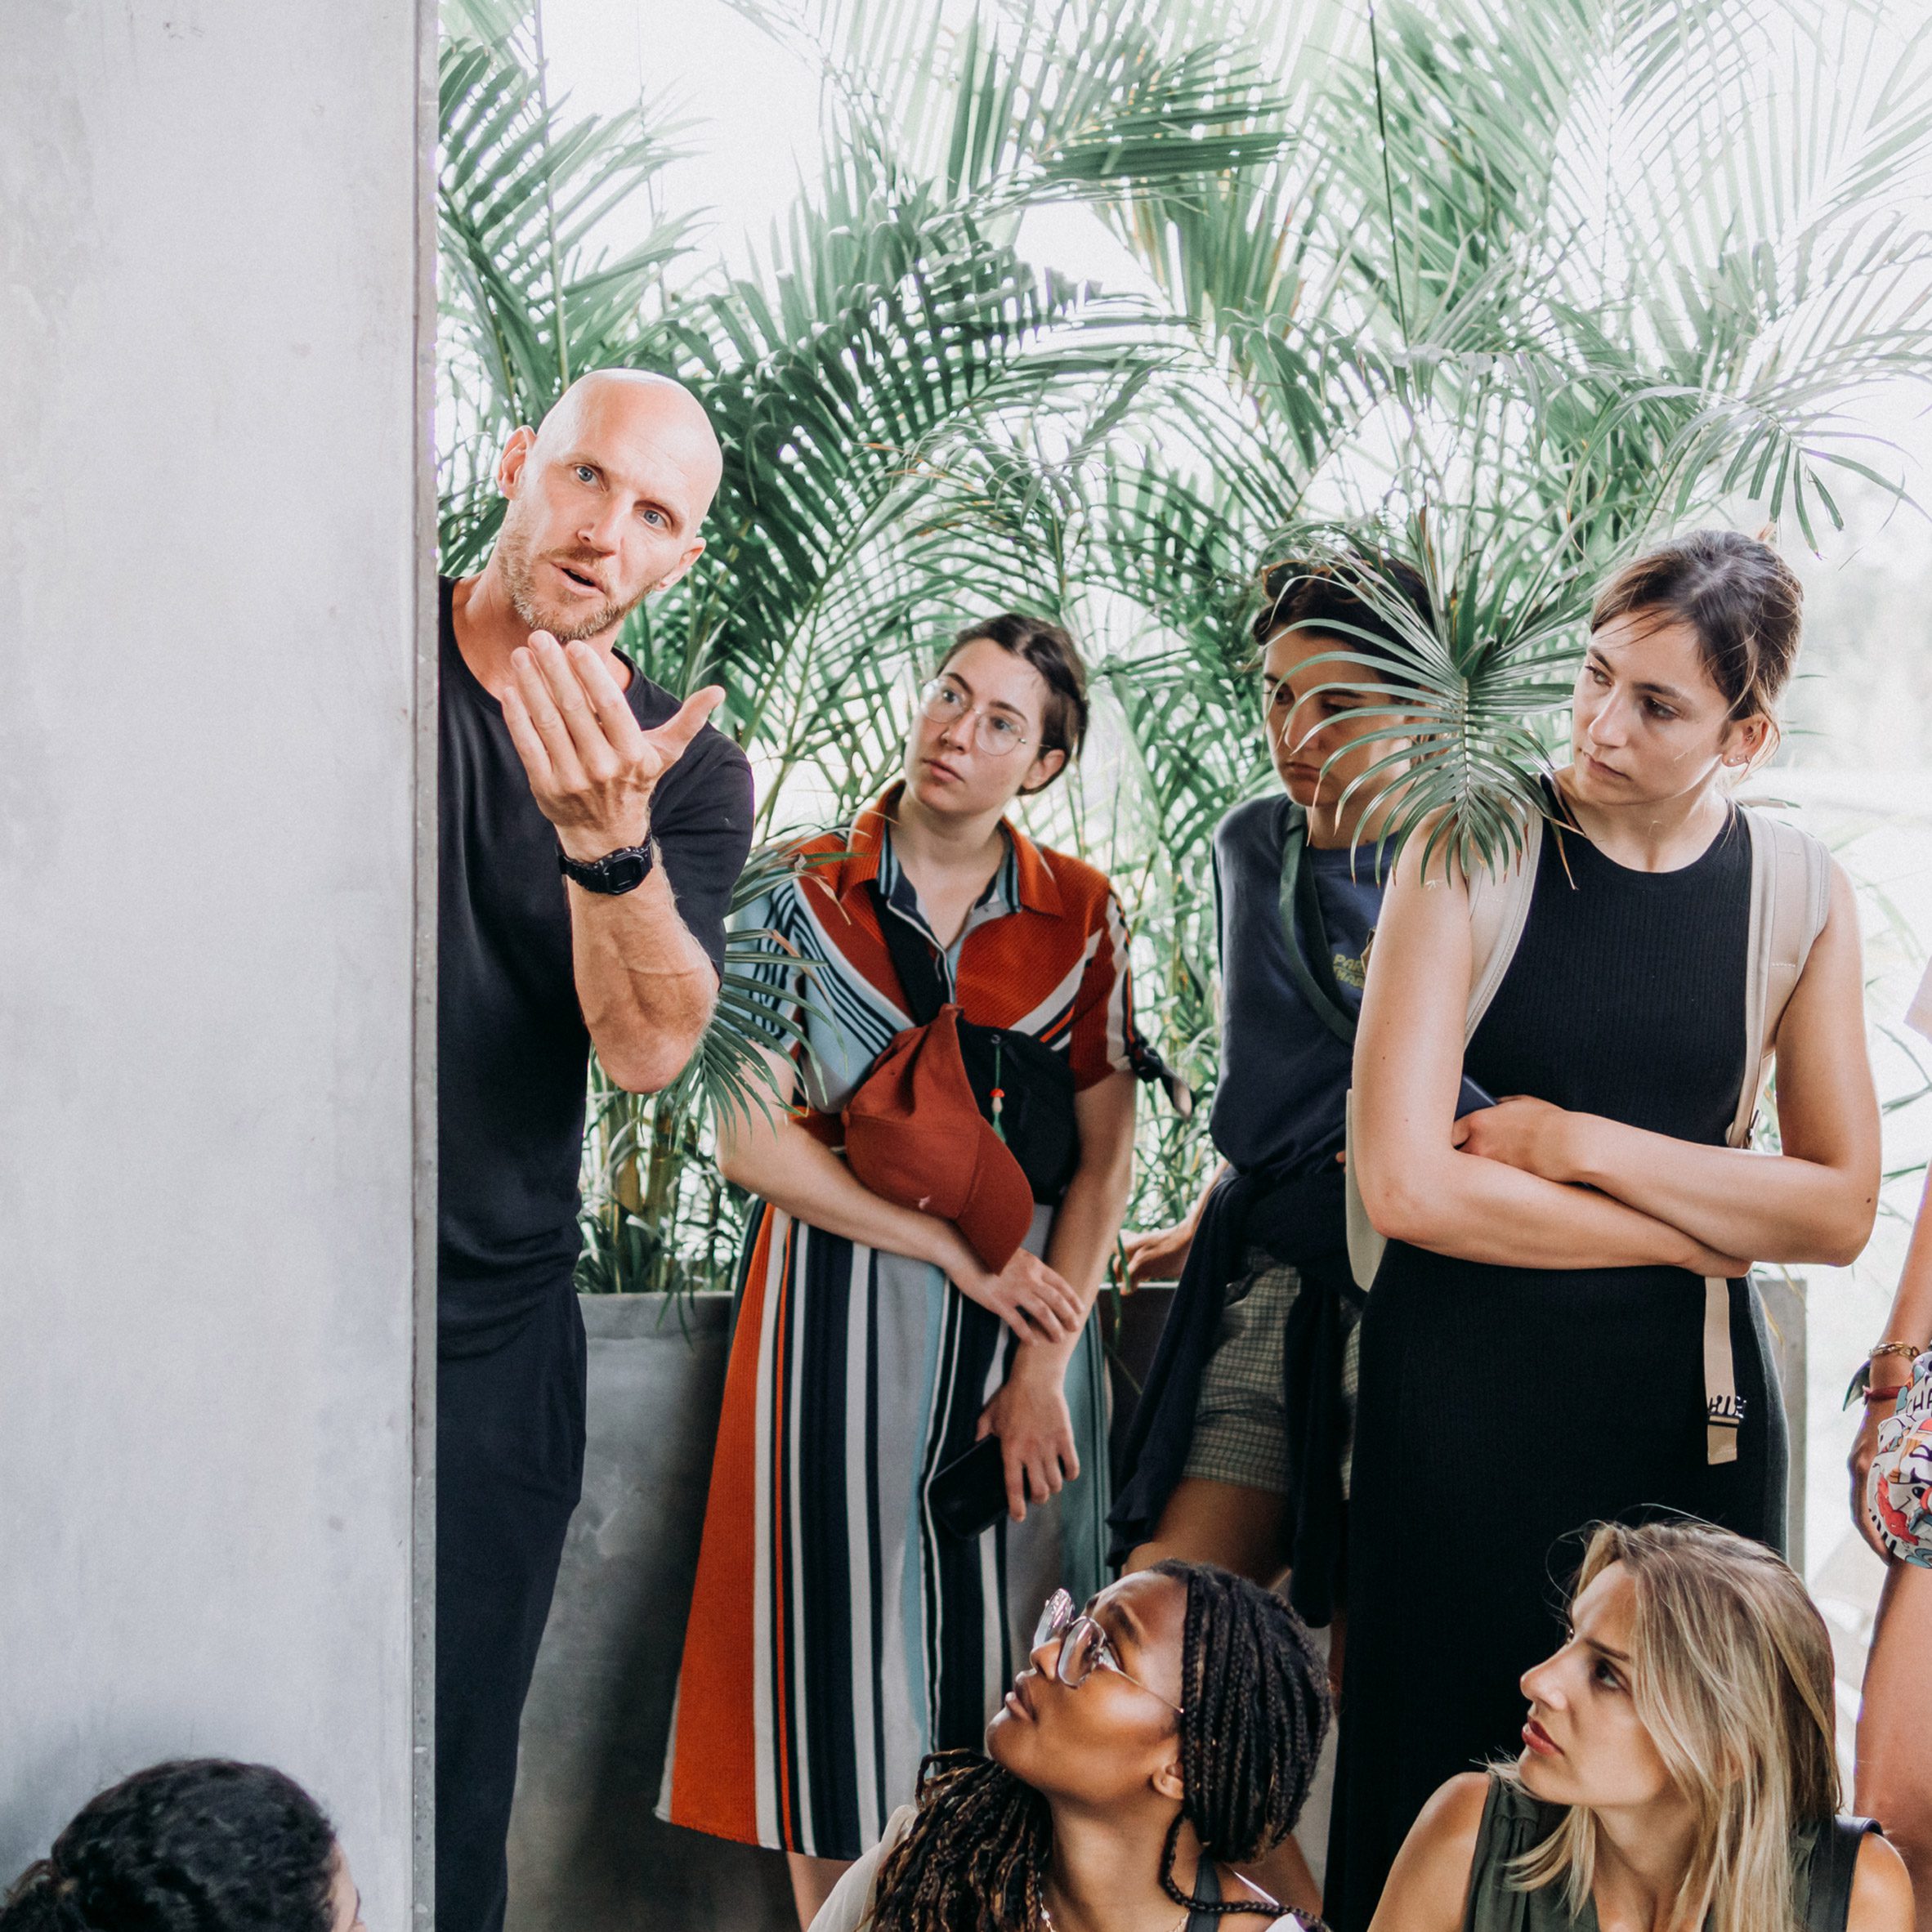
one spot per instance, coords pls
(1030, 1418)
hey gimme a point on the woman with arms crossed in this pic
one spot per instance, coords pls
(1894, 1749)
(1533, 1351)
(1677, 1771)
(839, 1631)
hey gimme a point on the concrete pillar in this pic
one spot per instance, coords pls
(213, 428)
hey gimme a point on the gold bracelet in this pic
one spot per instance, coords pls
(1912, 1349)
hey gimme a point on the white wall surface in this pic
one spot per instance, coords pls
(209, 433)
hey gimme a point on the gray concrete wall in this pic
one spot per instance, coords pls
(211, 413)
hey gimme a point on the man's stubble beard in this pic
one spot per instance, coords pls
(514, 561)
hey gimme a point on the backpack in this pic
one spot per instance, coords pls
(1790, 896)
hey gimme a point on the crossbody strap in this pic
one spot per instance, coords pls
(1301, 912)
(919, 978)
(1790, 899)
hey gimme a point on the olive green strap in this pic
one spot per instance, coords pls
(1301, 909)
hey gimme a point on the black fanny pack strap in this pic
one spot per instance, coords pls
(1301, 914)
(919, 977)
(1834, 1867)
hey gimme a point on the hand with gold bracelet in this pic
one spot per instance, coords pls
(1885, 1371)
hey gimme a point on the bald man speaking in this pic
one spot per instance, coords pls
(592, 829)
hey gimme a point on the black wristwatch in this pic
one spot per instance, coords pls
(621, 871)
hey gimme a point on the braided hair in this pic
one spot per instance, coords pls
(196, 1845)
(1254, 1696)
(1254, 1708)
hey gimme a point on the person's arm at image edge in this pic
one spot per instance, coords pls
(1909, 1320)
(1814, 1201)
(1417, 1186)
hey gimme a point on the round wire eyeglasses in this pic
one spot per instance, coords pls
(945, 703)
(1084, 1647)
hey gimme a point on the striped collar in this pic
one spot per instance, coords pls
(1024, 877)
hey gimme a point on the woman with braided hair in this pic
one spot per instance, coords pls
(196, 1845)
(1165, 1734)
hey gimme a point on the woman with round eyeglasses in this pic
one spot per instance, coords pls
(839, 1630)
(1154, 1741)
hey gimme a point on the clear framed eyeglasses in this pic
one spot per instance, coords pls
(1084, 1647)
(994, 733)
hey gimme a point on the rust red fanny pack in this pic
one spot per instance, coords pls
(972, 1123)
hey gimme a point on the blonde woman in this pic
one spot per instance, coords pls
(1677, 1770)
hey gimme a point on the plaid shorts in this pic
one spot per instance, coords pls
(1240, 1423)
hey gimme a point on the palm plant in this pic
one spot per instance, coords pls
(896, 322)
(1506, 286)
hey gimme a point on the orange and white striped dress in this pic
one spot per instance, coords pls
(837, 1634)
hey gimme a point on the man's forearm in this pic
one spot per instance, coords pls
(645, 987)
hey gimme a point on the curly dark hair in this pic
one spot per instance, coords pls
(1255, 1709)
(200, 1844)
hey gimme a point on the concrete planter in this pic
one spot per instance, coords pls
(587, 1854)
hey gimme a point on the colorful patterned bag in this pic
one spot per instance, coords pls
(1899, 1491)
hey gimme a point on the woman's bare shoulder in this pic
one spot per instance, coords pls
(1430, 1879)
(1881, 1890)
(1454, 1815)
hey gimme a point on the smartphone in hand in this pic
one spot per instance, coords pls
(968, 1496)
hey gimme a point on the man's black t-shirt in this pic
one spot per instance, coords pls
(512, 1051)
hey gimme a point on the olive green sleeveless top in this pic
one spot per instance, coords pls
(1514, 1823)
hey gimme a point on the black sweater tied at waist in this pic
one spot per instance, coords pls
(1299, 1218)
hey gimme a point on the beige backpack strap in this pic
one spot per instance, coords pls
(1790, 899)
(1499, 909)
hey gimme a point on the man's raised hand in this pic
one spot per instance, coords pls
(592, 768)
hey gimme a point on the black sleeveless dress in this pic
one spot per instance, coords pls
(1503, 1411)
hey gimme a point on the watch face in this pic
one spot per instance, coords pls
(623, 871)
(616, 872)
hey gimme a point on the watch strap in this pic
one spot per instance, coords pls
(621, 871)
